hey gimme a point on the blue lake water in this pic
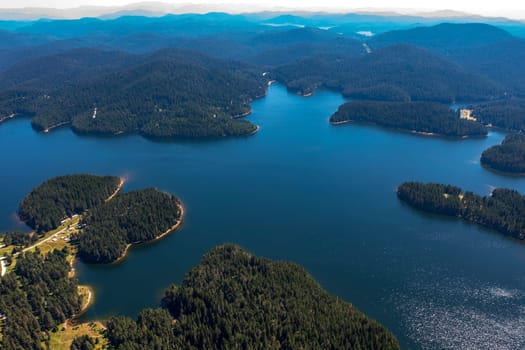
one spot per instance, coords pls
(305, 191)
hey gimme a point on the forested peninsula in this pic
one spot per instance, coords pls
(168, 94)
(503, 210)
(64, 196)
(509, 157)
(114, 221)
(235, 300)
(427, 118)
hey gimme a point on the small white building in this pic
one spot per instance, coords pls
(466, 114)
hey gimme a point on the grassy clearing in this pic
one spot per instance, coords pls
(62, 339)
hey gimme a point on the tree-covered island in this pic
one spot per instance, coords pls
(503, 210)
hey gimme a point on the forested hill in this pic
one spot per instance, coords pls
(418, 117)
(169, 94)
(503, 210)
(235, 300)
(444, 37)
(63, 196)
(132, 217)
(399, 73)
(479, 48)
(508, 157)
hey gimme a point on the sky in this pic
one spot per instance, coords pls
(506, 8)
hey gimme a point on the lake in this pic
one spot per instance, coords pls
(318, 195)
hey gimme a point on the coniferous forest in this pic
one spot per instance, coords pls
(508, 157)
(36, 297)
(503, 210)
(64, 196)
(167, 94)
(133, 217)
(421, 117)
(235, 300)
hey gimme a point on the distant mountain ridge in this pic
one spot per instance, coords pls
(444, 37)
(480, 48)
(161, 8)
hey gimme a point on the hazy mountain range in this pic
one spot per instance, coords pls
(160, 8)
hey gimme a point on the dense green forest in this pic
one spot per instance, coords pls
(36, 297)
(166, 94)
(234, 300)
(398, 72)
(505, 114)
(132, 217)
(508, 157)
(479, 47)
(503, 210)
(425, 117)
(63, 196)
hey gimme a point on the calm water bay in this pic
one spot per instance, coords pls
(305, 191)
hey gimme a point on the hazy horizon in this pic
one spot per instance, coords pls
(503, 8)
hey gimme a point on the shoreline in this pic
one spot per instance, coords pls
(158, 238)
(257, 128)
(245, 114)
(341, 122)
(406, 131)
(7, 117)
(48, 129)
(90, 300)
(500, 172)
